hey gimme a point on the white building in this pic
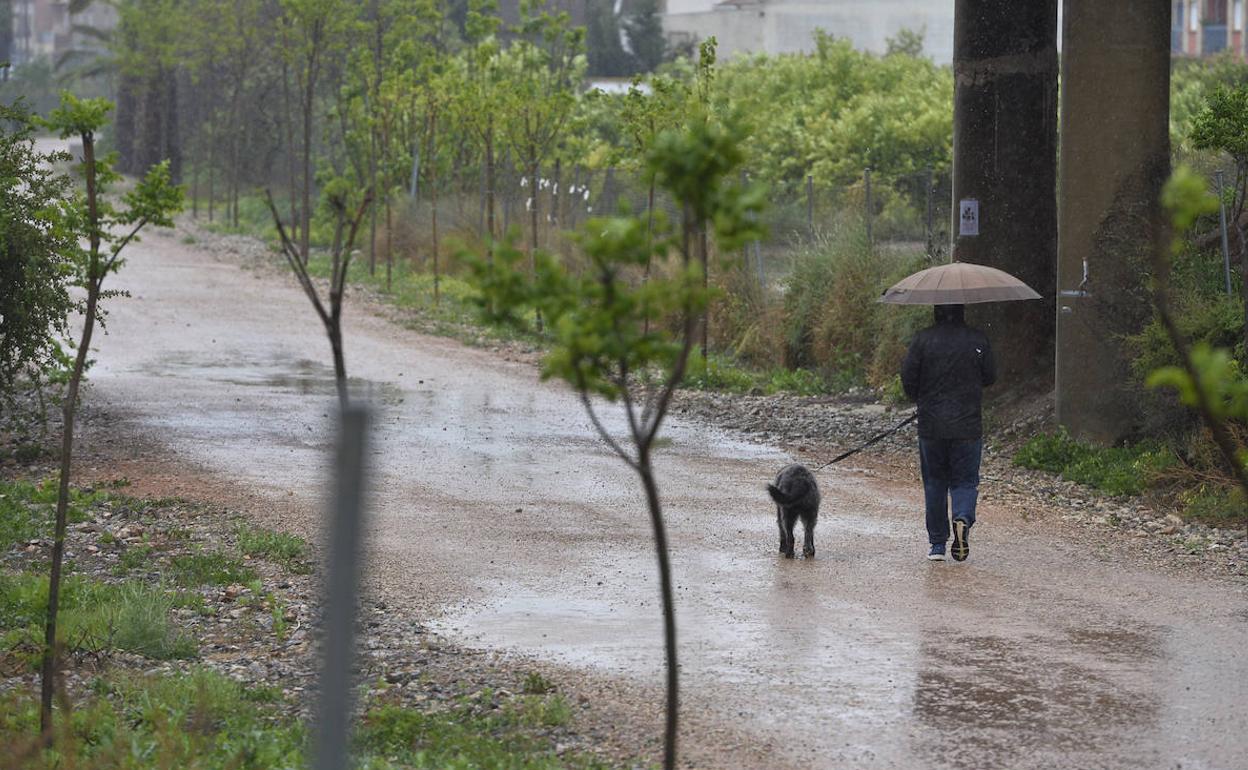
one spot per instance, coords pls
(788, 26)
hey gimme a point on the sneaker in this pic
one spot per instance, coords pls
(937, 553)
(961, 542)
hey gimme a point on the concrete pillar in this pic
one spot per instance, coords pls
(1005, 158)
(1115, 158)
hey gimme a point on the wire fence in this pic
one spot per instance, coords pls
(909, 211)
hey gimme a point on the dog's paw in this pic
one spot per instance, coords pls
(809, 553)
(787, 554)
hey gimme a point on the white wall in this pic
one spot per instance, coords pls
(786, 26)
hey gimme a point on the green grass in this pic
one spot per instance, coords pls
(202, 719)
(133, 558)
(209, 568)
(28, 511)
(1215, 505)
(470, 736)
(536, 684)
(1115, 470)
(723, 373)
(94, 617)
(290, 551)
(196, 720)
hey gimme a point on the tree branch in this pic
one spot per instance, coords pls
(291, 252)
(602, 431)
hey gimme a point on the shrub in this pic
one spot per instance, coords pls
(1115, 470)
(832, 320)
(1218, 505)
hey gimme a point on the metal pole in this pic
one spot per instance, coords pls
(810, 205)
(866, 177)
(1226, 247)
(341, 589)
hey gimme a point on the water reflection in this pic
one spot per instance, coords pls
(1070, 699)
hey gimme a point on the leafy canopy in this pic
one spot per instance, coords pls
(606, 325)
(37, 233)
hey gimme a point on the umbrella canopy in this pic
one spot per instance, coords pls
(957, 283)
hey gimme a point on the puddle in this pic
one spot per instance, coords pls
(300, 376)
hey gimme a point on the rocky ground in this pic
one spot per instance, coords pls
(263, 632)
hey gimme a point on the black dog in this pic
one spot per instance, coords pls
(796, 494)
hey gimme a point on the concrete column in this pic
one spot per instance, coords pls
(1115, 158)
(1005, 158)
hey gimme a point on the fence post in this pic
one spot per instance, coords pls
(810, 205)
(1226, 247)
(928, 229)
(866, 177)
(340, 591)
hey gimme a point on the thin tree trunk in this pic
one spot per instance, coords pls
(49, 667)
(309, 97)
(389, 243)
(291, 185)
(489, 188)
(645, 324)
(704, 258)
(431, 163)
(212, 175)
(199, 157)
(533, 219)
(646, 472)
(340, 364)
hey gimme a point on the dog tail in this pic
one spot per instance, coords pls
(780, 497)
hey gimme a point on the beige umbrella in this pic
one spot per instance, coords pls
(957, 283)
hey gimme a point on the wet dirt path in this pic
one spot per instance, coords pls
(498, 512)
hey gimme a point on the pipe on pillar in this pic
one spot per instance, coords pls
(1005, 158)
(1115, 158)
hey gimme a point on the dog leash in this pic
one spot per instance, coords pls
(878, 438)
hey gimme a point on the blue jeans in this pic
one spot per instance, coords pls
(950, 470)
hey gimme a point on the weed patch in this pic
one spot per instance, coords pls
(468, 737)
(200, 719)
(94, 617)
(28, 511)
(290, 551)
(1215, 505)
(1115, 470)
(209, 568)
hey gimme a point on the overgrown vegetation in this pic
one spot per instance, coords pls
(1115, 470)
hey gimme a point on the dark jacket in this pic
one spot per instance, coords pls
(945, 372)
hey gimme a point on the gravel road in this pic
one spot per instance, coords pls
(498, 516)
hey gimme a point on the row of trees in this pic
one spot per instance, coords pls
(412, 97)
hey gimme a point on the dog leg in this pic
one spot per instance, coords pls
(808, 547)
(780, 522)
(790, 519)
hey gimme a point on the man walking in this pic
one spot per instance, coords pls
(945, 371)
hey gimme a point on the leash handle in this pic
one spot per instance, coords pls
(870, 442)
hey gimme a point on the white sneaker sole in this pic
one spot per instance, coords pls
(936, 557)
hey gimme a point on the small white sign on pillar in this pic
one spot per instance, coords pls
(968, 217)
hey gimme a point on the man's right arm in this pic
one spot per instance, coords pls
(987, 365)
